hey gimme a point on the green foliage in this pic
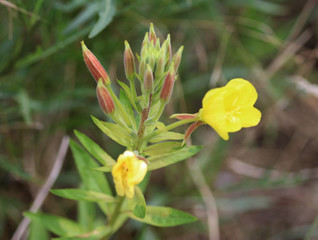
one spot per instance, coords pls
(165, 217)
(164, 160)
(83, 195)
(58, 225)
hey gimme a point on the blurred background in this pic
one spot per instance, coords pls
(264, 179)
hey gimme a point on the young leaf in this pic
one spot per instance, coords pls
(161, 148)
(164, 160)
(167, 136)
(127, 105)
(138, 204)
(115, 132)
(95, 149)
(129, 96)
(58, 225)
(164, 217)
(83, 195)
(93, 181)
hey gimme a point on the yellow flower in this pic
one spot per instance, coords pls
(128, 172)
(230, 108)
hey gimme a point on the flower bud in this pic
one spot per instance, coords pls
(168, 85)
(176, 59)
(129, 62)
(168, 49)
(142, 67)
(94, 65)
(148, 80)
(104, 98)
(152, 35)
(160, 65)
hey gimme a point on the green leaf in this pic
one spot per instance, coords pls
(105, 17)
(129, 95)
(164, 160)
(86, 215)
(58, 225)
(115, 132)
(127, 106)
(138, 204)
(38, 231)
(93, 181)
(103, 169)
(94, 149)
(167, 136)
(97, 233)
(161, 148)
(83, 195)
(164, 217)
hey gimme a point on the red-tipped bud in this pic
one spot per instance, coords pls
(152, 35)
(183, 116)
(176, 59)
(148, 80)
(94, 65)
(168, 85)
(104, 98)
(129, 62)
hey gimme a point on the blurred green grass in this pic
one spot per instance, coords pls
(46, 92)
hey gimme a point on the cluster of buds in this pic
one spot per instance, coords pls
(157, 72)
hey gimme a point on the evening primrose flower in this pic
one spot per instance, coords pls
(128, 172)
(230, 108)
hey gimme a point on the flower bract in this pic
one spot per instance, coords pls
(230, 108)
(128, 172)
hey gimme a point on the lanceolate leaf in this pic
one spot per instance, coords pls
(165, 217)
(138, 204)
(94, 149)
(161, 148)
(115, 132)
(167, 136)
(83, 195)
(93, 180)
(164, 160)
(129, 95)
(58, 225)
(127, 105)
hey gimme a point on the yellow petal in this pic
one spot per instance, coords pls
(241, 92)
(249, 117)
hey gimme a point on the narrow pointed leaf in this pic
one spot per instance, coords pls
(115, 132)
(129, 96)
(94, 149)
(161, 148)
(165, 217)
(164, 160)
(167, 136)
(58, 225)
(83, 195)
(93, 180)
